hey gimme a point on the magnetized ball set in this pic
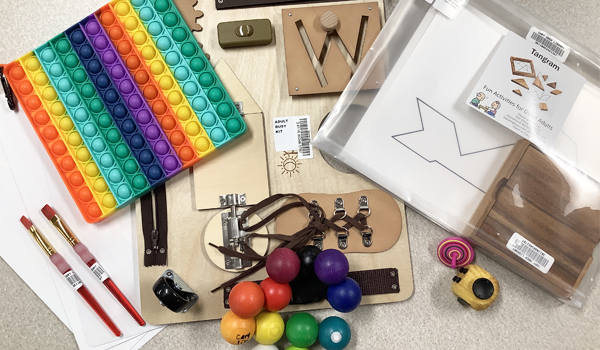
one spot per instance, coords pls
(254, 307)
(123, 101)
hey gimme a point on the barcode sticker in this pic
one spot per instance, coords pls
(73, 279)
(530, 253)
(98, 270)
(293, 134)
(557, 48)
(305, 149)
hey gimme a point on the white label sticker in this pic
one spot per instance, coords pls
(293, 134)
(556, 47)
(450, 8)
(530, 252)
(73, 279)
(98, 270)
(527, 90)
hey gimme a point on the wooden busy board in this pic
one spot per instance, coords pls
(259, 81)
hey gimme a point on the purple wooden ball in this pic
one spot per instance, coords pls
(331, 266)
(283, 265)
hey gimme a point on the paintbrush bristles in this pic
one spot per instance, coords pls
(48, 212)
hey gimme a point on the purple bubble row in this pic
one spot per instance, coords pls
(132, 97)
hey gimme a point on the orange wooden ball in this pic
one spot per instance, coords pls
(246, 299)
(236, 330)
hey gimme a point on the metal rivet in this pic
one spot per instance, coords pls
(226, 302)
(148, 251)
(169, 274)
(370, 8)
(290, 14)
(297, 88)
(162, 250)
(394, 286)
(392, 273)
(220, 1)
(228, 289)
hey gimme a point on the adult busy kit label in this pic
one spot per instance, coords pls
(527, 89)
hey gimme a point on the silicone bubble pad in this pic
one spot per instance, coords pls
(202, 70)
(85, 125)
(131, 95)
(119, 112)
(181, 140)
(182, 73)
(166, 81)
(127, 169)
(28, 85)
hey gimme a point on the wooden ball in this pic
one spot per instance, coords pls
(246, 299)
(236, 330)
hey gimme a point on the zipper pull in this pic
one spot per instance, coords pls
(155, 240)
(10, 96)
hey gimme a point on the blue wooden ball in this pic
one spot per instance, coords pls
(334, 333)
(346, 296)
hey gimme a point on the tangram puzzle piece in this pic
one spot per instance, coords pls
(522, 67)
(545, 77)
(518, 92)
(552, 85)
(543, 106)
(521, 82)
(189, 13)
(323, 45)
(538, 83)
(556, 92)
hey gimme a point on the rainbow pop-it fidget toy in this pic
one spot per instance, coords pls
(122, 101)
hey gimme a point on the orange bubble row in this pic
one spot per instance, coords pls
(148, 86)
(29, 85)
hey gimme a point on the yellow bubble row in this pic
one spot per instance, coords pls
(68, 134)
(180, 105)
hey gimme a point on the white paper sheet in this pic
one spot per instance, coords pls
(111, 241)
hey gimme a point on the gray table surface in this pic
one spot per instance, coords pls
(523, 317)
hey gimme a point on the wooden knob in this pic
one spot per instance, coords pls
(329, 21)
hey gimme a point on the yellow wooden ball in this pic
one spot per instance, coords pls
(269, 327)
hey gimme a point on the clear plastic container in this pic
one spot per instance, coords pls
(402, 121)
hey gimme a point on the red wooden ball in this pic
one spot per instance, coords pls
(246, 299)
(277, 295)
(283, 265)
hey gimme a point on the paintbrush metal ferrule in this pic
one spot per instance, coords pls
(64, 230)
(41, 240)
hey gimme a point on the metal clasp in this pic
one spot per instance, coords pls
(363, 204)
(338, 205)
(342, 239)
(367, 236)
(233, 237)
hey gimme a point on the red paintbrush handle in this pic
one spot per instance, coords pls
(123, 300)
(87, 296)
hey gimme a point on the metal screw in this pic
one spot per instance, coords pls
(169, 274)
(227, 302)
(148, 251)
(290, 14)
(370, 8)
(228, 262)
(394, 286)
(162, 250)
(343, 245)
(296, 86)
(224, 223)
(338, 201)
(392, 273)
(228, 289)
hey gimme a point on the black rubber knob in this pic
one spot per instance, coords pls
(483, 288)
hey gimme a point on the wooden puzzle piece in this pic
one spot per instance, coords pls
(189, 13)
(545, 77)
(556, 92)
(543, 106)
(521, 82)
(552, 85)
(518, 92)
(538, 83)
